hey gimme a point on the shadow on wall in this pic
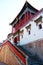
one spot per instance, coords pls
(36, 48)
(1, 63)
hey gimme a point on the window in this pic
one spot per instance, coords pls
(29, 32)
(39, 20)
(40, 26)
(29, 29)
(21, 33)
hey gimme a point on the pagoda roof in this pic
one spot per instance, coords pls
(23, 9)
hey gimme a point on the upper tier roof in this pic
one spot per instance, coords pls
(26, 5)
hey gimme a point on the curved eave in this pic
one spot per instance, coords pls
(38, 13)
(24, 7)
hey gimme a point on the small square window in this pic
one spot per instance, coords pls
(29, 32)
(40, 26)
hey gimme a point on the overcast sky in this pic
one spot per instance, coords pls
(9, 10)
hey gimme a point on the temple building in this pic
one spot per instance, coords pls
(28, 25)
(24, 45)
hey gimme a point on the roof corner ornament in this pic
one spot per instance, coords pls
(26, 3)
(16, 18)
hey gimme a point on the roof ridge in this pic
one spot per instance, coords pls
(26, 4)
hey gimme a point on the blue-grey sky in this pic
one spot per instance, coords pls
(9, 10)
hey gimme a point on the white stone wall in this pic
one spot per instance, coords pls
(36, 33)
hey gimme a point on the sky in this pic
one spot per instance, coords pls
(9, 9)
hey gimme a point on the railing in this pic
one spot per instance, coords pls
(20, 54)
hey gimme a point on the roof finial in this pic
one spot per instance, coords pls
(26, 0)
(26, 3)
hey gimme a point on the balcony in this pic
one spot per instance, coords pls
(22, 22)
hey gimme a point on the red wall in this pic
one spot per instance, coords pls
(22, 22)
(16, 51)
